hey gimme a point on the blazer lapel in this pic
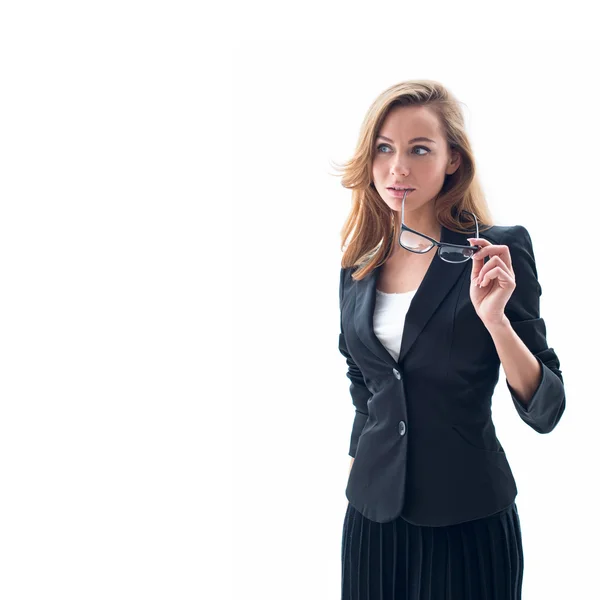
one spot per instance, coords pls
(438, 281)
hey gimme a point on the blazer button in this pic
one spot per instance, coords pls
(397, 373)
(402, 427)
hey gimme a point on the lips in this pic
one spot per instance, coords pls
(400, 193)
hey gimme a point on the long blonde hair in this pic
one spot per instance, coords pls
(371, 224)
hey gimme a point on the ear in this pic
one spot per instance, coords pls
(453, 162)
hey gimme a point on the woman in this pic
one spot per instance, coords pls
(433, 297)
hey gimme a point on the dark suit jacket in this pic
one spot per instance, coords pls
(423, 440)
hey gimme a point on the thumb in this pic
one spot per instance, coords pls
(477, 264)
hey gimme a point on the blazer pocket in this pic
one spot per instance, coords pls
(465, 439)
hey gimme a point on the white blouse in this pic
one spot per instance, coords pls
(388, 318)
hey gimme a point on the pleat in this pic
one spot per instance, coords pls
(426, 588)
(476, 560)
(346, 572)
(395, 554)
(405, 562)
(469, 564)
(362, 570)
(520, 553)
(414, 562)
(516, 552)
(438, 574)
(455, 585)
(482, 548)
(501, 564)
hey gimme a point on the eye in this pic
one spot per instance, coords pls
(422, 148)
(380, 146)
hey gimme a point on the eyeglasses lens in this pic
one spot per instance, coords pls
(414, 242)
(450, 254)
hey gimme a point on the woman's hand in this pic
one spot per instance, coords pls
(492, 282)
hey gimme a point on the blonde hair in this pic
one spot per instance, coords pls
(371, 224)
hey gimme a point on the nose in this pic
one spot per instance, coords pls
(398, 167)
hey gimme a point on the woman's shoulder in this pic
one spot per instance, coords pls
(506, 234)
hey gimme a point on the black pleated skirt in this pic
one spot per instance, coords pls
(475, 560)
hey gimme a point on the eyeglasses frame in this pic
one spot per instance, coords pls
(404, 227)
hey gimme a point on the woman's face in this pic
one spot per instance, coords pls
(401, 160)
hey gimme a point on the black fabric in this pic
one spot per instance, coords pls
(473, 560)
(423, 438)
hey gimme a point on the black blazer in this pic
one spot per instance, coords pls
(423, 440)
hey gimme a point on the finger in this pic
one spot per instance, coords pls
(504, 278)
(495, 261)
(500, 250)
(477, 264)
(481, 242)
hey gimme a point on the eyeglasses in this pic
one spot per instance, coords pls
(420, 243)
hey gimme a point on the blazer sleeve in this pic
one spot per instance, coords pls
(547, 404)
(359, 392)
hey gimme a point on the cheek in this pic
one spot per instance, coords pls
(378, 166)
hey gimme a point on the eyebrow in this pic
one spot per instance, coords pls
(417, 139)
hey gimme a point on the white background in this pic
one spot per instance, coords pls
(174, 412)
(532, 122)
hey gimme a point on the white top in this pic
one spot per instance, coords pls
(388, 318)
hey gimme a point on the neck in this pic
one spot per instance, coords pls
(426, 224)
(424, 221)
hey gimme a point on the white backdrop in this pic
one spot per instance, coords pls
(531, 118)
(174, 411)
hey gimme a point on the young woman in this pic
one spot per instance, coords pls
(433, 297)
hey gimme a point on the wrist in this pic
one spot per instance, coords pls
(499, 327)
